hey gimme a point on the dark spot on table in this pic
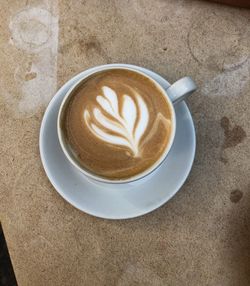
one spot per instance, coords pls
(30, 76)
(164, 19)
(236, 196)
(89, 47)
(29, 65)
(164, 49)
(223, 160)
(93, 45)
(232, 136)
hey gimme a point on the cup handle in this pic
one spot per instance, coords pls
(181, 89)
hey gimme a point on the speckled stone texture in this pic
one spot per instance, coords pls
(200, 237)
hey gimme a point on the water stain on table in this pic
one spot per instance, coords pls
(232, 136)
(34, 41)
(204, 36)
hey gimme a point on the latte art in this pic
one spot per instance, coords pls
(123, 129)
(117, 124)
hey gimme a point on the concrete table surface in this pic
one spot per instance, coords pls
(201, 236)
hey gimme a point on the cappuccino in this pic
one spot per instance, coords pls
(117, 124)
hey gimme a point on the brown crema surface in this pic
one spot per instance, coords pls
(98, 156)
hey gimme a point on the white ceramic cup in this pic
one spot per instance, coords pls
(174, 94)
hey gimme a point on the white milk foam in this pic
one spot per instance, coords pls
(125, 128)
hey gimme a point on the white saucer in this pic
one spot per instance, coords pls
(115, 201)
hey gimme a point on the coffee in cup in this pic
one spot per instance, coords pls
(117, 124)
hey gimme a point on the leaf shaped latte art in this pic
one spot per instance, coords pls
(123, 126)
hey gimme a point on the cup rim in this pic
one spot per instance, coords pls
(93, 176)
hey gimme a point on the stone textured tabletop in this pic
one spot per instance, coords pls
(201, 236)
